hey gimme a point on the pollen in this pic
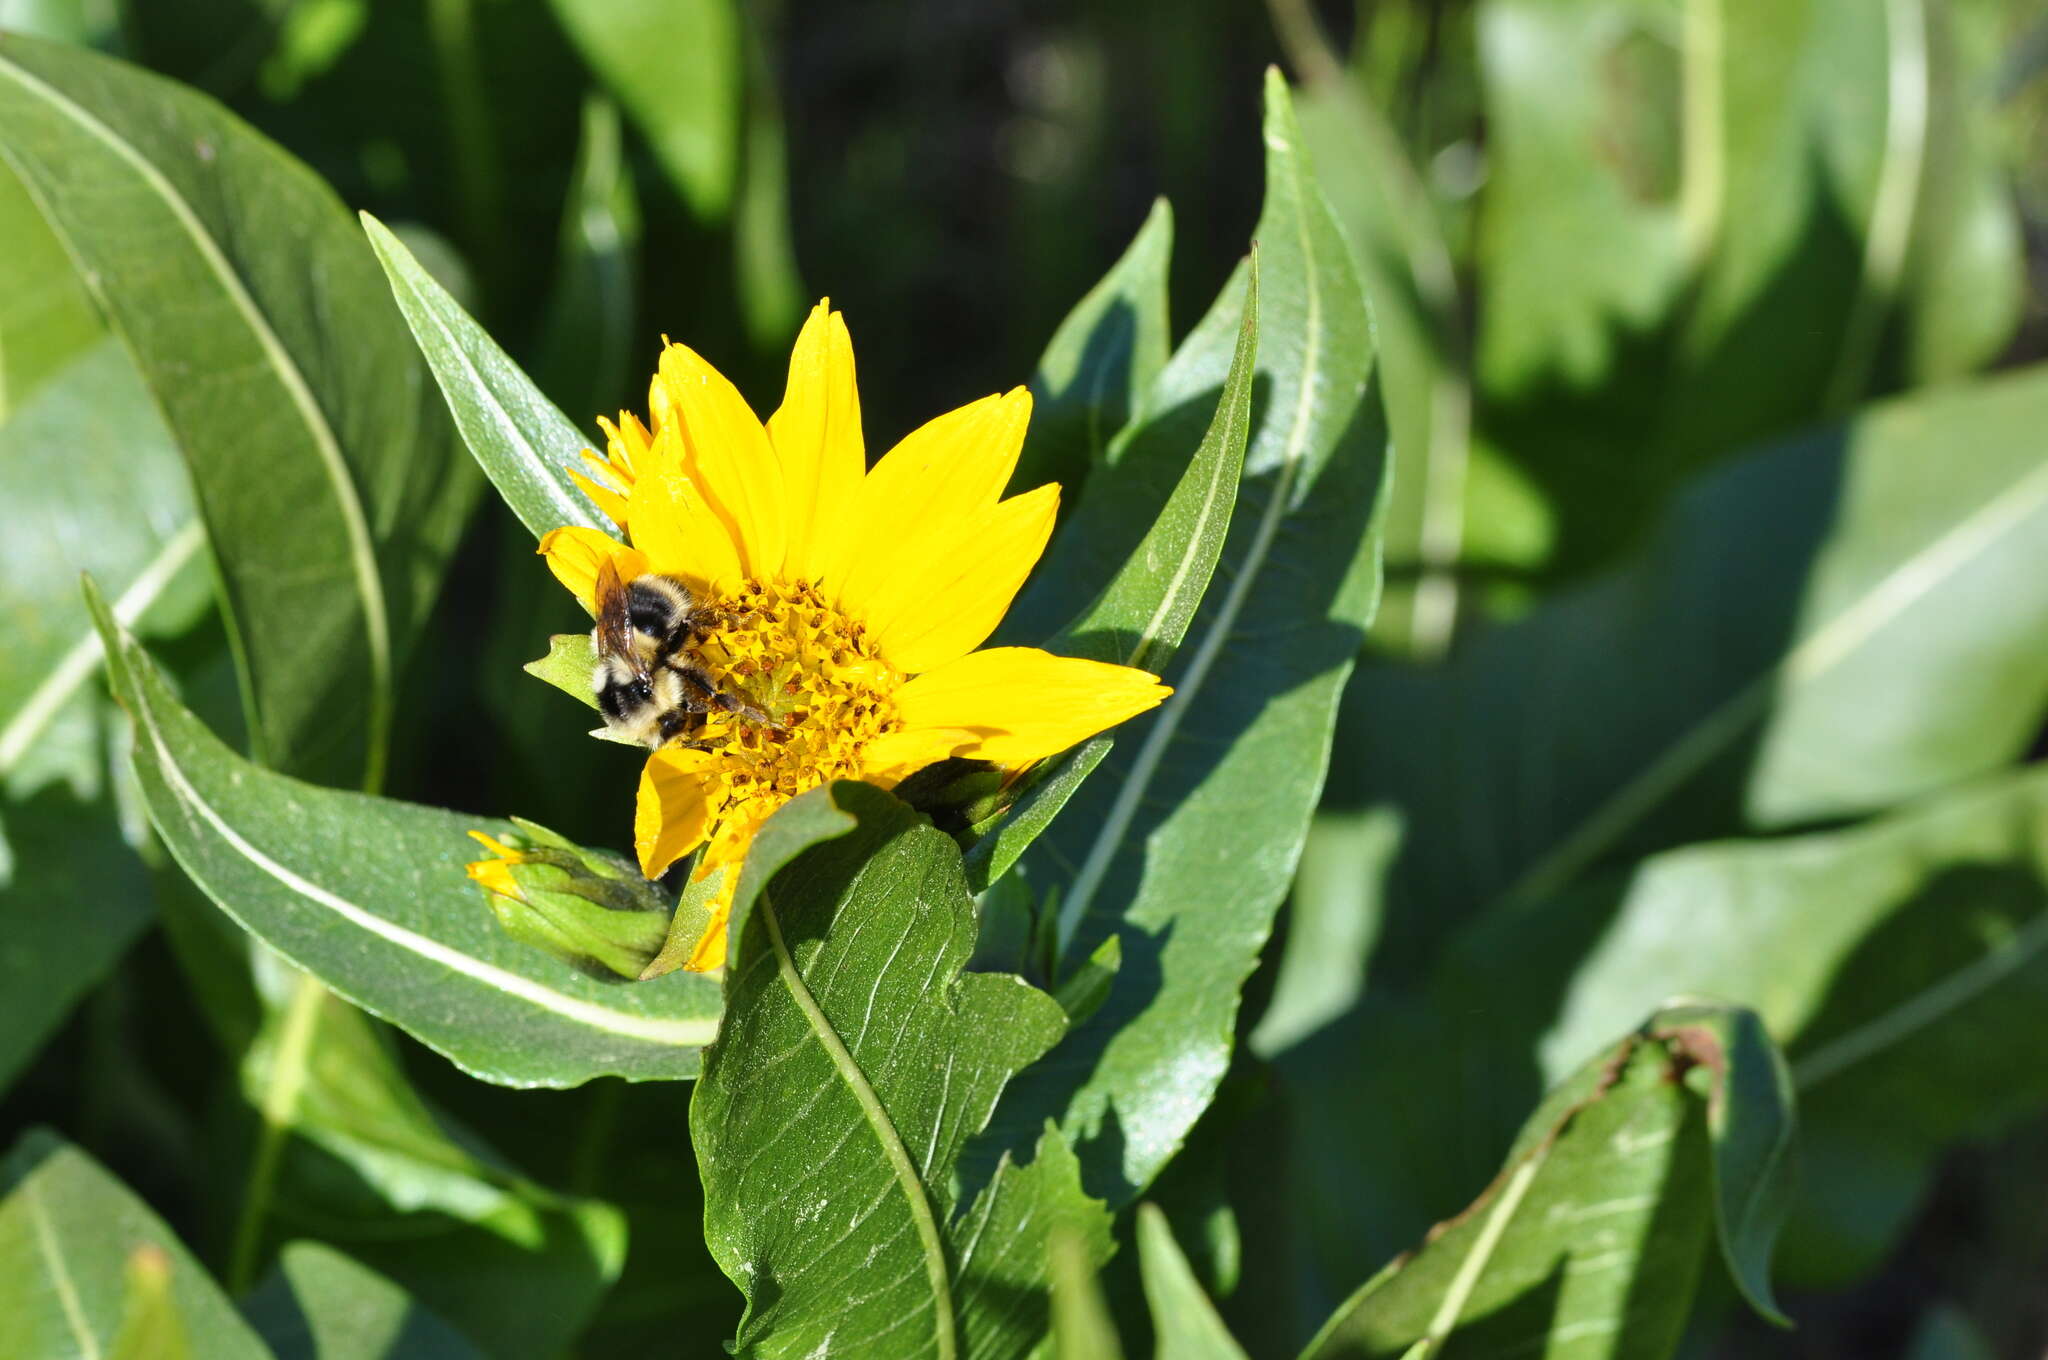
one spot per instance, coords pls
(819, 677)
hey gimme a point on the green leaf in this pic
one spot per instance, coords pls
(1419, 330)
(771, 292)
(1334, 916)
(1901, 964)
(1783, 205)
(1590, 1240)
(1183, 1319)
(586, 338)
(675, 66)
(150, 1326)
(1751, 1123)
(522, 440)
(1872, 636)
(1143, 612)
(854, 1062)
(91, 483)
(352, 1154)
(1098, 367)
(320, 1305)
(1186, 852)
(369, 896)
(568, 665)
(68, 1234)
(46, 316)
(1082, 1328)
(322, 469)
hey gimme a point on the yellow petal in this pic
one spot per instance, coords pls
(729, 457)
(671, 812)
(945, 473)
(604, 497)
(680, 531)
(1024, 704)
(575, 553)
(890, 760)
(816, 434)
(940, 606)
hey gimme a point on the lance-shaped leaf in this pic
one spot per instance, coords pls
(1183, 1319)
(1591, 1239)
(46, 317)
(363, 1162)
(1099, 365)
(1903, 965)
(320, 1305)
(1185, 848)
(1385, 209)
(855, 1061)
(522, 440)
(1143, 612)
(91, 483)
(86, 1268)
(369, 895)
(1872, 635)
(675, 65)
(1786, 200)
(323, 466)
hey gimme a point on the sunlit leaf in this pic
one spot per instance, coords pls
(1902, 965)
(1183, 843)
(1143, 612)
(320, 1305)
(1697, 235)
(1590, 1240)
(323, 466)
(69, 1238)
(522, 440)
(1099, 365)
(91, 483)
(46, 317)
(855, 1062)
(1183, 1319)
(369, 896)
(675, 67)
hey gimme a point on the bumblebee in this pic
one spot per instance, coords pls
(650, 688)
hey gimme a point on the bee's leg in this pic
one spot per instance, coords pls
(703, 696)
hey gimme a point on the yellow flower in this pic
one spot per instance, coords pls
(495, 874)
(854, 598)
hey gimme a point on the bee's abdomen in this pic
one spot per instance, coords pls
(620, 691)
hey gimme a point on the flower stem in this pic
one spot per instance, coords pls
(284, 1082)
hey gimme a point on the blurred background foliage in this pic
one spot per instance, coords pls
(1706, 524)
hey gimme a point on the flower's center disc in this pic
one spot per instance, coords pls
(814, 672)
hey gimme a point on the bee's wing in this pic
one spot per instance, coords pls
(614, 631)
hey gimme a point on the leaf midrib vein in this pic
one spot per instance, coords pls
(884, 1128)
(1130, 793)
(348, 500)
(568, 509)
(1923, 1008)
(681, 1033)
(78, 663)
(60, 1276)
(1815, 655)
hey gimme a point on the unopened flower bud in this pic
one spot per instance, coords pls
(589, 909)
